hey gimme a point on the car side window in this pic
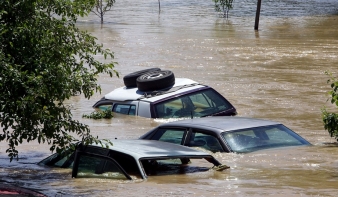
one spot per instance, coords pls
(175, 136)
(169, 109)
(99, 167)
(124, 109)
(104, 107)
(206, 141)
(201, 101)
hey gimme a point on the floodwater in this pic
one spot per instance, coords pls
(275, 73)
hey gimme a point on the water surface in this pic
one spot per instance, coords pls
(276, 73)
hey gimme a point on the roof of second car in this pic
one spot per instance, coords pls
(153, 149)
(222, 123)
(125, 94)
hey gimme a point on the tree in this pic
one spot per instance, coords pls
(44, 60)
(101, 7)
(330, 119)
(223, 6)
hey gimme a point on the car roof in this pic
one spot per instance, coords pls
(222, 123)
(125, 94)
(153, 149)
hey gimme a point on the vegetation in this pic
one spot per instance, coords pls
(223, 6)
(44, 60)
(330, 119)
(101, 7)
(107, 114)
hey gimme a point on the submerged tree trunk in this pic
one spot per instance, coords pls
(159, 6)
(101, 17)
(102, 7)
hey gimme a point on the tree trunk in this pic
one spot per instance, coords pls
(101, 17)
(159, 6)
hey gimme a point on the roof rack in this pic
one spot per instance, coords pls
(165, 91)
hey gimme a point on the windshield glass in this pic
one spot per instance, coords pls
(197, 104)
(258, 138)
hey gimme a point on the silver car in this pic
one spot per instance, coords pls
(227, 134)
(126, 159)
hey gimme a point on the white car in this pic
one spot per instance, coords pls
(158, 94)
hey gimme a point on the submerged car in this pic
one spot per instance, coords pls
(131, 158)
(227, 134)
(158, 94)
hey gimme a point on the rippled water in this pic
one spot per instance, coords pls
(276, 73)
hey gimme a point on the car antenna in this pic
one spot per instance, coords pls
(192, 117)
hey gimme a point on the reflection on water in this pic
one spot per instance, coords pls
(275, 73)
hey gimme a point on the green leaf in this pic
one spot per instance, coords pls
(330, 119)
(45, 61)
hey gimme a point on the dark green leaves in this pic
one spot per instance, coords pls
(101, 7)
(45, 60)
(223, 6)
(106, 114)
(331, 119)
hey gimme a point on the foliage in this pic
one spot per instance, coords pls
(44, 60)
(101, 7)
(107, 114)
(223, 6)
(330, 119)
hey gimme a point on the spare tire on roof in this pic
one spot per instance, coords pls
(130, 79)
(155, 80)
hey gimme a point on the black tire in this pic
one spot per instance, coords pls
(155, 80)
(130, 79)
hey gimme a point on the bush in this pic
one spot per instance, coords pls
(106, 114)
(330, 119)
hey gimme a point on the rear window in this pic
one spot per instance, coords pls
(197, 104)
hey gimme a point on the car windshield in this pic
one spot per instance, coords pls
(197, 104)
(258, 138)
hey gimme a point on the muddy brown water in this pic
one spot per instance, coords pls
(276, 73)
